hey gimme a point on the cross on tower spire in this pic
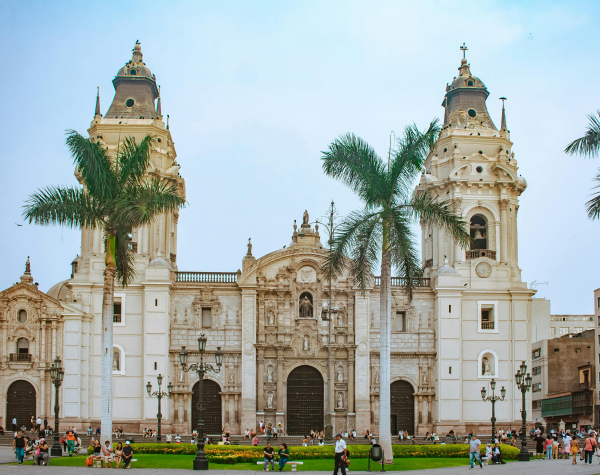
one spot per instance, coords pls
(464, 49)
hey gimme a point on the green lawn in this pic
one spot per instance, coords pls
(185, 461)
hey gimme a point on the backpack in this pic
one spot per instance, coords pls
(89, 461)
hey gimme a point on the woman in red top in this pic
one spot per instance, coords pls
(548, 448)
(589, 446)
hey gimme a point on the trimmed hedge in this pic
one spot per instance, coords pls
(241, 453)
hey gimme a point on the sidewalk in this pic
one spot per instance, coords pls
(553, 467)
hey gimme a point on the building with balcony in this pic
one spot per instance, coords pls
(563, 382)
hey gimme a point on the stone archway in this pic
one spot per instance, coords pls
(20, 403)
(305, 401)
(212, 407)
(402, 407)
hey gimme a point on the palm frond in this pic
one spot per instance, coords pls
(133, 160)
(138, 205)
(437, 211)
(94, 164)
(593, 205)
(366, 251)
(66, 206)
(125, 257)
(354, 162)
(405, 258)
(589, 144)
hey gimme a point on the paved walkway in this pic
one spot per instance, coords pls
(553, 467)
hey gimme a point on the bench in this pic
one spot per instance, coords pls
(293, 463)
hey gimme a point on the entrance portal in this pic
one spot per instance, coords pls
(20, 403)
(305, 400)
(402, 407)
(212, 407)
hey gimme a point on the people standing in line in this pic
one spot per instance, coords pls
(340, 451)
(19, 446)
(284, 456)
(574, 450)
(474, 447)
(589, 446)
(269, 458)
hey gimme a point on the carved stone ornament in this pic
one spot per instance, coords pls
(483, 270)
(248, 348)
(361, 349)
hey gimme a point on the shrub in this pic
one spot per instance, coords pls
(242, 453)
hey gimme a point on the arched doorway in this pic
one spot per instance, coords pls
(402, 407)
(305, 400)
(212, 407)
(20, 403)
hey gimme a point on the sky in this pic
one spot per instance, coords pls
(256, 90)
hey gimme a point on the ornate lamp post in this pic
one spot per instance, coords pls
(493, 398)
(523, 380)
(56, 375)
(159, 395)
(200, 462)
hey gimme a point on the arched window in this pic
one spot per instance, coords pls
(479, 232)
(305, 305)
(469, 83)
(118, 359)
(22, 316)
(22, 346)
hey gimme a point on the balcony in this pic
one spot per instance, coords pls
(25, 357)
(116, 318)
(487, 325)
(477, 253)
(208, 277)
(401, 281)
(584, 386)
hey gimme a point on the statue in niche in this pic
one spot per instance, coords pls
(305, 343)
(424, 377)
(116, 361)
(485, 367)
(305, 308)
(269, 374)
(231, 376)
(376, 378)
(181, 376)
(340, 401)
(340, 375)
(271, 318)
(270, 401)
(340, 320)
(305, 218)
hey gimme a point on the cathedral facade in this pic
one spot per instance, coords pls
(468, 322)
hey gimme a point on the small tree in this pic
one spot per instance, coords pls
(380, 232)
(117, 198)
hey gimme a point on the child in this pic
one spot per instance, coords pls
(574, 450)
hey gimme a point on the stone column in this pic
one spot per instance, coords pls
(97, 241)
(362, 400)
(429, 410)
(515, 239)
(351, 381)
(458, 251)
(420, 409)
(236, 417)
(249, 357)
(503, 230)
(279, 381)
(441, 246)
(260, 381)
(227, 413)
(53, 341)
(180, 411)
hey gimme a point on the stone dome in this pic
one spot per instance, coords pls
(159, 263)
(465, 79)
(521, 182)
(136, 67)
(59, 291)
(446, 269)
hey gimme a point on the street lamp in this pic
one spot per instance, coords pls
(159, 395)
(200, 462)
(56, 375)
(493, 398)
(523, 380)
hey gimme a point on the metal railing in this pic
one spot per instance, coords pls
(401, 281)
(20, 357)
(208, 277)
(476, 253)
(116, 318)
(487, 325)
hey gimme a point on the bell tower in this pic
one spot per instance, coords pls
(473, 164)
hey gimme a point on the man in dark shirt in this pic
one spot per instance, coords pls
(268, 452)
(539, 446)
(127, 455)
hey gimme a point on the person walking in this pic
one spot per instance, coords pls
(574, 450)
(340, 451)
(589, 446)
(474, 447)
(19, 446)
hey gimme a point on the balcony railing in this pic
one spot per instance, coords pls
(20, 357)
(487, 325)
(116, 318)
(207, 277)
(401, 281)
(583, 386)
(477, 253)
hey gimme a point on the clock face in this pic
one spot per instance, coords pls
(483, 270)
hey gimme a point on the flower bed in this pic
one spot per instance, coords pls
(241, 453)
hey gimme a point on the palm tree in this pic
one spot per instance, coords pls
(117, 198)
(380, 232)
(589, 146)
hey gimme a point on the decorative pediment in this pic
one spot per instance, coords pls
(502, 172)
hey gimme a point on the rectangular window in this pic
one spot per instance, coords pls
(206, 318)
(536, 370)
(552, 331)
(598, 302)
(400, 322)
(449, 308)
(117, 311)
(449, 369)
(556, 350)
(536, 353)
(536, 404)
(577, 350)
(156, 302)
(155, 366)
(487, 317)
(577, 329)
(537, 387)
(563, 331)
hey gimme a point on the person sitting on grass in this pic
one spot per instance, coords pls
(268, 453)
(107, 454)
(119, 454)
(127, 454)
(284, 456)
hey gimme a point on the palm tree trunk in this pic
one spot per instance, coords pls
(106, 358)
(385, 308)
